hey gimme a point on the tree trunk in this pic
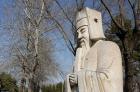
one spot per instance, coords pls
(132, 80)
(22, 85)
(33, 86)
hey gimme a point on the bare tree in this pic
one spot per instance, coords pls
(33, 50)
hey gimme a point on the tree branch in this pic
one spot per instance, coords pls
(118, 25)
(134, 13)
(65, 14)
(71, 48)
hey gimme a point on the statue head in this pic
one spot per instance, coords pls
(89, 24)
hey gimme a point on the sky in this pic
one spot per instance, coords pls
(4, 37)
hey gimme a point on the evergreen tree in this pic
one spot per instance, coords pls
(7, 83)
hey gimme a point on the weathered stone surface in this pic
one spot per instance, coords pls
(98, 64)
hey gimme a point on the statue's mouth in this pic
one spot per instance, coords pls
(82, 42)
(81, 39)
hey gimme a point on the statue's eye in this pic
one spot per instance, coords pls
(82, 30)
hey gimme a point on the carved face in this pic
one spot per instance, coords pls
(93, 20)
(83, 33)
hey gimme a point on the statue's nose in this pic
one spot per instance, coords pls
(79, 35)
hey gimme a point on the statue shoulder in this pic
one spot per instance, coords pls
(107, 44)
(108, 48)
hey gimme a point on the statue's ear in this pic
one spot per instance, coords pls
(94, 24)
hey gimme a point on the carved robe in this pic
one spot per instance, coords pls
(101, 71)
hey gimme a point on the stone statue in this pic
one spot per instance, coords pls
(98, 63)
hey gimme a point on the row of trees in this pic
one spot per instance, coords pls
(53, 88)
(8, 83)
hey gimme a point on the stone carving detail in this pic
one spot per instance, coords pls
(98, 63)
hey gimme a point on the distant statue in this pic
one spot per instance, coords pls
(98, 63)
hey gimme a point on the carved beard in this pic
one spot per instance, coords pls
(80, 56)
(81, 53)
(84, 49)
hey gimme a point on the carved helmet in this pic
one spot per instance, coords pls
(92, 19)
